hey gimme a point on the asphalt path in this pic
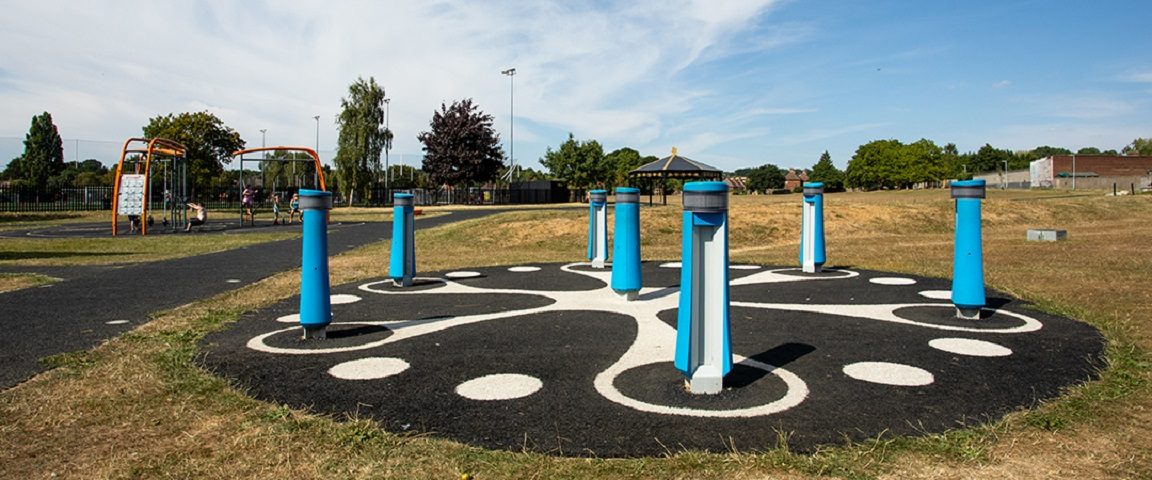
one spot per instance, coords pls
(93, 304)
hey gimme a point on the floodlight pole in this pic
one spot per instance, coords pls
(263, 155)
(511, 73)
(317, 118)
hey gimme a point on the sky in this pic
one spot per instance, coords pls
(729, 83)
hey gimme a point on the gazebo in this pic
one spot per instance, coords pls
(675, 166)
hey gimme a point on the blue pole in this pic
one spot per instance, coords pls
(812, 230)
(968, 256)
(402, 266)
(626, 244)
(597, 227)
(703, 341)
(315, 291)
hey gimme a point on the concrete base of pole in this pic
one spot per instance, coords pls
(403, 282)
(812, 268)
(597, 263)
(706, 380)
(968, 313)
(629, 296)
(317, 333)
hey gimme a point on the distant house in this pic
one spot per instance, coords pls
(737, 185)
(795, 179)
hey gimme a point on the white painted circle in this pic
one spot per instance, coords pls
(744, 267)
(233, 280)
(342, 298)
(116, 322)
(291, 318)
(892, 281)
(670, 265)
(502, 386)
(371, 368)
(889, 374)
(524, 269)
(937, 294)
(968, 346)
(464, 274)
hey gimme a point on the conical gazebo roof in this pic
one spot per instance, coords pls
(675, 166)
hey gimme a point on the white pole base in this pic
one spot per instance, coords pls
(629, 296)
(968, 313)
(403, 282)
(706, 380)
(319, 333)
(597, 263)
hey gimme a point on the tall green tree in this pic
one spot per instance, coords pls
(825, 171)
(990, 159)
(43, 152)
(622, 161)
(461, 147)
(362, 138)
(209, 143)
(765, 178)
(875, 165)
(1139, 146)
(580, 163)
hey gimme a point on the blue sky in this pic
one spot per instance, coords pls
(732, 84)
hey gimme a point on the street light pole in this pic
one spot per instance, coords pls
(387, 146)
(1005, 185)
(511, 73)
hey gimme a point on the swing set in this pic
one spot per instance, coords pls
(132, 192)
(297, 181)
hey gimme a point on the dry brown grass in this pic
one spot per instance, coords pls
(137, 407)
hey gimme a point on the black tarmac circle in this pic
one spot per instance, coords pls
(554, 363)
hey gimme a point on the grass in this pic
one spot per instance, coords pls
(138, 406)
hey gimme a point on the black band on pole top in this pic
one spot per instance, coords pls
(968, 191)
(323, 202)
(600, 197)
(402, 201)
(626, 197)
(705, 202)
(814, 190)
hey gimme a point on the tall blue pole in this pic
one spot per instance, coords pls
(968, 256)
(402, 267)
(626, 279)
(812, 229)
(597, 227)
(703, 341)
(315, 290)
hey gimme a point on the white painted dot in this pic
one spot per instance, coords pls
(892, 281)
(232, 280)
(670, 265)
(371, 368)
(292, 318)
(342, 298)
(889, 374)
(463, 274)
(937, 294)
(968, 346)
(744, 267)
(116, 322)
(503, 386)
(524, 269)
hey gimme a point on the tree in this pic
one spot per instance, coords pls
(989, 159)
(43, 152)
(826, 172)
(581, 164)
(1139, 146)
(1088, 151)
(362, 137)
(874, 165)
(461, 147)
(208, 141)
(765, 178)
(622, 161)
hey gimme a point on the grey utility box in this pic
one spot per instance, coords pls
(1046, 235)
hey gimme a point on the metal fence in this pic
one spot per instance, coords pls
(16, 199)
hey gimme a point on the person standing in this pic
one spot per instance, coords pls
(294, 206)
(246, 206)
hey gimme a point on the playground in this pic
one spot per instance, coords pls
(531, 353)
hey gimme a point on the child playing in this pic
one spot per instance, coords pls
(275, 209)
(294, 205)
